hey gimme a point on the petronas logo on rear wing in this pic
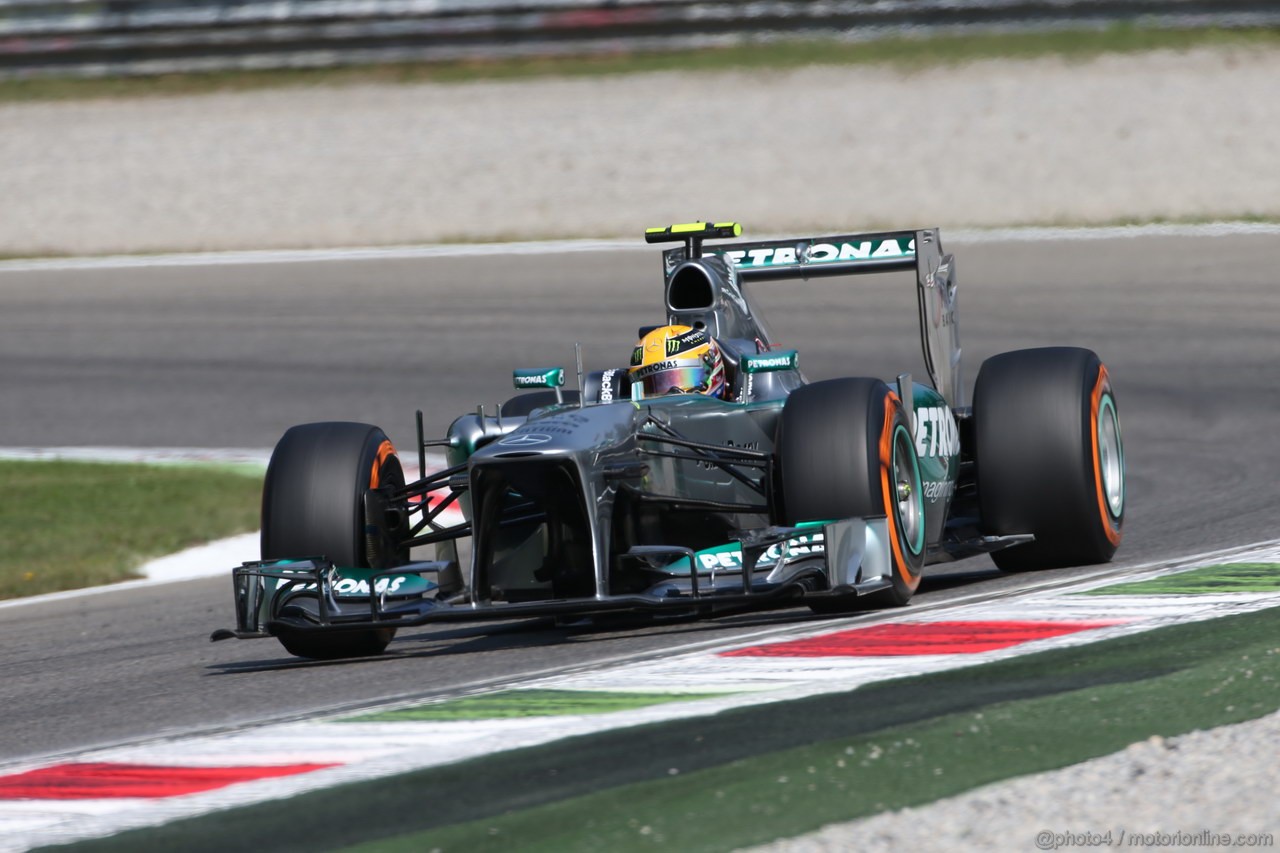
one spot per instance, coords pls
(820, 250)
(800, 257)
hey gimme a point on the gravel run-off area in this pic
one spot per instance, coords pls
(1121, 137)
(1183, 793)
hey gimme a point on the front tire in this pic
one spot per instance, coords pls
(844, 451)
(1050, 460)
(313, 506)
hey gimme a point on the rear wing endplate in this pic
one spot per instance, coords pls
(854, 254)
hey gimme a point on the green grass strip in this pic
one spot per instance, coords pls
(753, 774)
(67, 525)
(1227, 577)
(907, 53)
(528, 703)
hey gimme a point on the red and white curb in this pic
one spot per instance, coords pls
(808, 661)
(99, 792)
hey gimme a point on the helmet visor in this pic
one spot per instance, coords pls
(677, 380)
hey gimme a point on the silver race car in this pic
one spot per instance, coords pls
(772, 491)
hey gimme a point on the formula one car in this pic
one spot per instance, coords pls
(775, 492)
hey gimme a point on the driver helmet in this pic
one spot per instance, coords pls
(677, 360)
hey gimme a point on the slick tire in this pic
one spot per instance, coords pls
(844, 450)
(313, 506)
(1049, 457)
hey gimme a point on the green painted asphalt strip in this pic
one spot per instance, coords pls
(1226, 577)
(750, 775)
(507, 704)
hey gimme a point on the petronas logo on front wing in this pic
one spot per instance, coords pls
(730, 556)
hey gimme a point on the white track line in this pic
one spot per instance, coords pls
(141, 455)
(555, 247)
(309, 256)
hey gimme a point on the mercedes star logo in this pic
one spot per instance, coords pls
(525, 439)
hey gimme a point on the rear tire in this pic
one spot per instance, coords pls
(1050, 460)
(844, 450)
(313, 506)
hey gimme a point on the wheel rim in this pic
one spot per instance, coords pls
(909, 509)
(1110, 456)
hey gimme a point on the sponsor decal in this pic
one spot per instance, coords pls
(659, 366)
(637, 356)
(937, 490)
(936, 433)
(350, 586)
(542, 377)
(717, 559)
(524, 439)
(795, 547)
(693, 338)
(730, 556)
(606, 386)
(786, 360)
(819, 253)
(387, 586)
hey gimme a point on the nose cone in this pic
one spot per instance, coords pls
(564, 432)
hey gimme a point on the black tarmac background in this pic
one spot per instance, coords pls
(231, 355)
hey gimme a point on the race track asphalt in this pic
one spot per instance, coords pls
(231, 355)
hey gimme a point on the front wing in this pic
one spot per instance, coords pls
(854, 560)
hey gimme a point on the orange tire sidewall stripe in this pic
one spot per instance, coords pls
(1109, 526)
(384, 450)
(891, 402)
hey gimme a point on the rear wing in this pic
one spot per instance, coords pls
(846, 254)
(810, 257)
